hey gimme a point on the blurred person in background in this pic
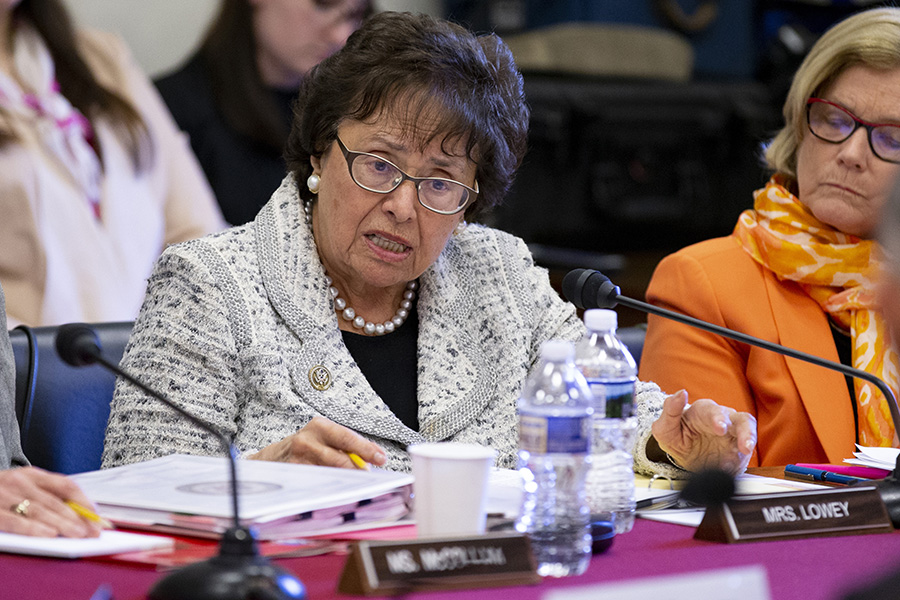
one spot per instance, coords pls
(95, 178)
(889, 282)
(233, 96)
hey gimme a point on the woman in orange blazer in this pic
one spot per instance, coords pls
(803, 411)
(799, 269)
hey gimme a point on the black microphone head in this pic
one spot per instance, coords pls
(77, 344)
(710, 487)
(586, 288)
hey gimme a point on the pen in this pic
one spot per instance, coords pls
(852, 470)
(810, 474)
(360, 463)
(89, 514)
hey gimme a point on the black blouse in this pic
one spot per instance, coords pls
(845, 355)
(390, 363)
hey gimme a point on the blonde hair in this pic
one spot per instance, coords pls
(870, 38)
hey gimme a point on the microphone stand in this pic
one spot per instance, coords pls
(608, 295)
(238, 572)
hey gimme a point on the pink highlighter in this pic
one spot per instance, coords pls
(851, 470)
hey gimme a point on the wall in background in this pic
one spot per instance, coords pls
(161, 33)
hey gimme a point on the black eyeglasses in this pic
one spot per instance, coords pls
(833, 123)
(376, 174)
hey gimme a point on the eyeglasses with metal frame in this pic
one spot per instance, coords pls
(377, 174)
(833, 123)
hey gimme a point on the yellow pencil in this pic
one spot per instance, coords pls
(89, 514)
(360, 463)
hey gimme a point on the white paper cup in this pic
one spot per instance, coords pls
(450, 488)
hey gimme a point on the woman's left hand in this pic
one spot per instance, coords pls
(705, 435)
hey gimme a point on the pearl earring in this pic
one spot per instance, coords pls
(460, 227)
(312, 182)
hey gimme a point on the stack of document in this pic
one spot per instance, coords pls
(745, 485)
(191, 495)
(877, 458)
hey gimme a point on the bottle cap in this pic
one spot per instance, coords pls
(601, 319)
(557, 350)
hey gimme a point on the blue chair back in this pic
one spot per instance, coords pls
(633, 337)
(63, 410)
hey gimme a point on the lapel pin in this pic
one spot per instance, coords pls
(320, 377)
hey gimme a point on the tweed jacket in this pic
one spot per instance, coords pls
(235, 323)
(804, 412)
(10, 445)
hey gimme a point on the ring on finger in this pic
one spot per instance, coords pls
(21, 508)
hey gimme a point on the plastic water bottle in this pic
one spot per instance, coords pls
(611, 374)
(555, 420)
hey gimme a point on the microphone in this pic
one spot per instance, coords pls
(710, 487)
(238, 572)
(586, 288)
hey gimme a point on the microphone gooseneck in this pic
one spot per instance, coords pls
(78, 345)
(238, 572)
(586, 288)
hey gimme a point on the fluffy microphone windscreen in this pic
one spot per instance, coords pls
(710, 487)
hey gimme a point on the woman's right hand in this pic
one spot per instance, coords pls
(45, 513)
(323, 442)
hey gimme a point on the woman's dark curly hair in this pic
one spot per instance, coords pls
(411, 66)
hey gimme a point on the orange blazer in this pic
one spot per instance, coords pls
(804, 411)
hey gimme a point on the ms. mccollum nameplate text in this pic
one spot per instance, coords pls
(811, 513)
(375, 567)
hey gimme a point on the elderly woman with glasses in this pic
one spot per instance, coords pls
(357, 313)
(799, 268)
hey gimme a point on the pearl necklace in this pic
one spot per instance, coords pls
(349, 314)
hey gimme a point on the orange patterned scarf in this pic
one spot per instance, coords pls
(838, 271)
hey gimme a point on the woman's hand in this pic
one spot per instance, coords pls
(323, 442)
(705, 435)
(40, 497)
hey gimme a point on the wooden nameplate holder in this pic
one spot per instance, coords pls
(392, 567)
(812, 513)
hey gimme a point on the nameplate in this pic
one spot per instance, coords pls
(810, 513)
(389, 567)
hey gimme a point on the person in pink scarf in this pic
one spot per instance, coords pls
(800, 268)
(95, 179)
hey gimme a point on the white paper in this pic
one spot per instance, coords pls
(745, 485)
(194, 493)
(689, 517)
(504, 493)
(739, 583)
(879, 458)
(200, 485)
(109, 542)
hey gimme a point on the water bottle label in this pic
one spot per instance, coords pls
(614, 399)
(546, 435)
